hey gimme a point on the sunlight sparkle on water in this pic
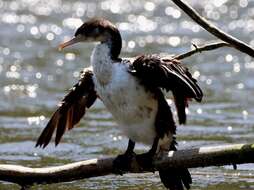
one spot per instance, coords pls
(38, 75)
(70, 56)
(34, 30)
(149, 6)
(131, 44)
(12, 74)
(209, 81)
(115, 8)
(124, 26)
(240, 86)
(31, 90)
(171, 11)
(50, 36)
(145, 24)
(236, 67)
(56, 29)
(196, 74)
(199, 111)
(245, 114)
(72, 23)
(229, 57)
(35, 120)
(76, 74)
(6, 51)
(59, 62)
(218, 3)
(24, 90)
(243, 3)
(174, 41)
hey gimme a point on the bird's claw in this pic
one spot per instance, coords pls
(122, 163)
(145, 161)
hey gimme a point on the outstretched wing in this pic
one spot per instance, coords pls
(169, 74)
(71, 109)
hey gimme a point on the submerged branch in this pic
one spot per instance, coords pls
(234, 42)
(191, 158)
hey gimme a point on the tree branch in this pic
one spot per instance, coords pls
(236, 43)
(191, 158)
(200, 49)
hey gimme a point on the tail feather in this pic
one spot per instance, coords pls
(186, 177)
(175, 178)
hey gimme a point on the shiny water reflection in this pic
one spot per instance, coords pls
(35, 76)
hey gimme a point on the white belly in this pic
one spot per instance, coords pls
(131, 105)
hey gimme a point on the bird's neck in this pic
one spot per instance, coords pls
(102, 63)
(105, 55)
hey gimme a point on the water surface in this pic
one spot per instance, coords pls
(35, 76)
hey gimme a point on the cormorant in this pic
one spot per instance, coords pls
(132, 91)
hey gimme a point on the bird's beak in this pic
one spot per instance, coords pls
(70, 42)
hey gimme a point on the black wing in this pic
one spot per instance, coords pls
(169, 74)
(71, 109)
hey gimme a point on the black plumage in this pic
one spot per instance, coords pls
(71, 109)
(169, 74)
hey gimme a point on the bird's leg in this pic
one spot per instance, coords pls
(122, 162)
(145, 160)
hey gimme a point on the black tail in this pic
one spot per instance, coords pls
(175, 178)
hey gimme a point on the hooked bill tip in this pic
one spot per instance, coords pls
(60, 47)
(69, 43)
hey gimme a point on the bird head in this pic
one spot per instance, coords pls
(94, 30)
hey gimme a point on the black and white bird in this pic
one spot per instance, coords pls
(132, 91)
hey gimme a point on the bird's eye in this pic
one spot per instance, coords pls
(96, 31)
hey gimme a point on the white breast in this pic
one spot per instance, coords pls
(131, 105)
(133, 108)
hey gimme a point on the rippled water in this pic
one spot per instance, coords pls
(35, 76)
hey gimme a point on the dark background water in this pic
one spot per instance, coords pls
(35, 76)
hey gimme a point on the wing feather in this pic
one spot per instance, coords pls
(169, 74)
(71, 109)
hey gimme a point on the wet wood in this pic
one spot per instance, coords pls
(189, 158)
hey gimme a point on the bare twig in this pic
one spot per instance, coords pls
(207, 47)
(236, 43)
(198, 49)
(191, 158)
